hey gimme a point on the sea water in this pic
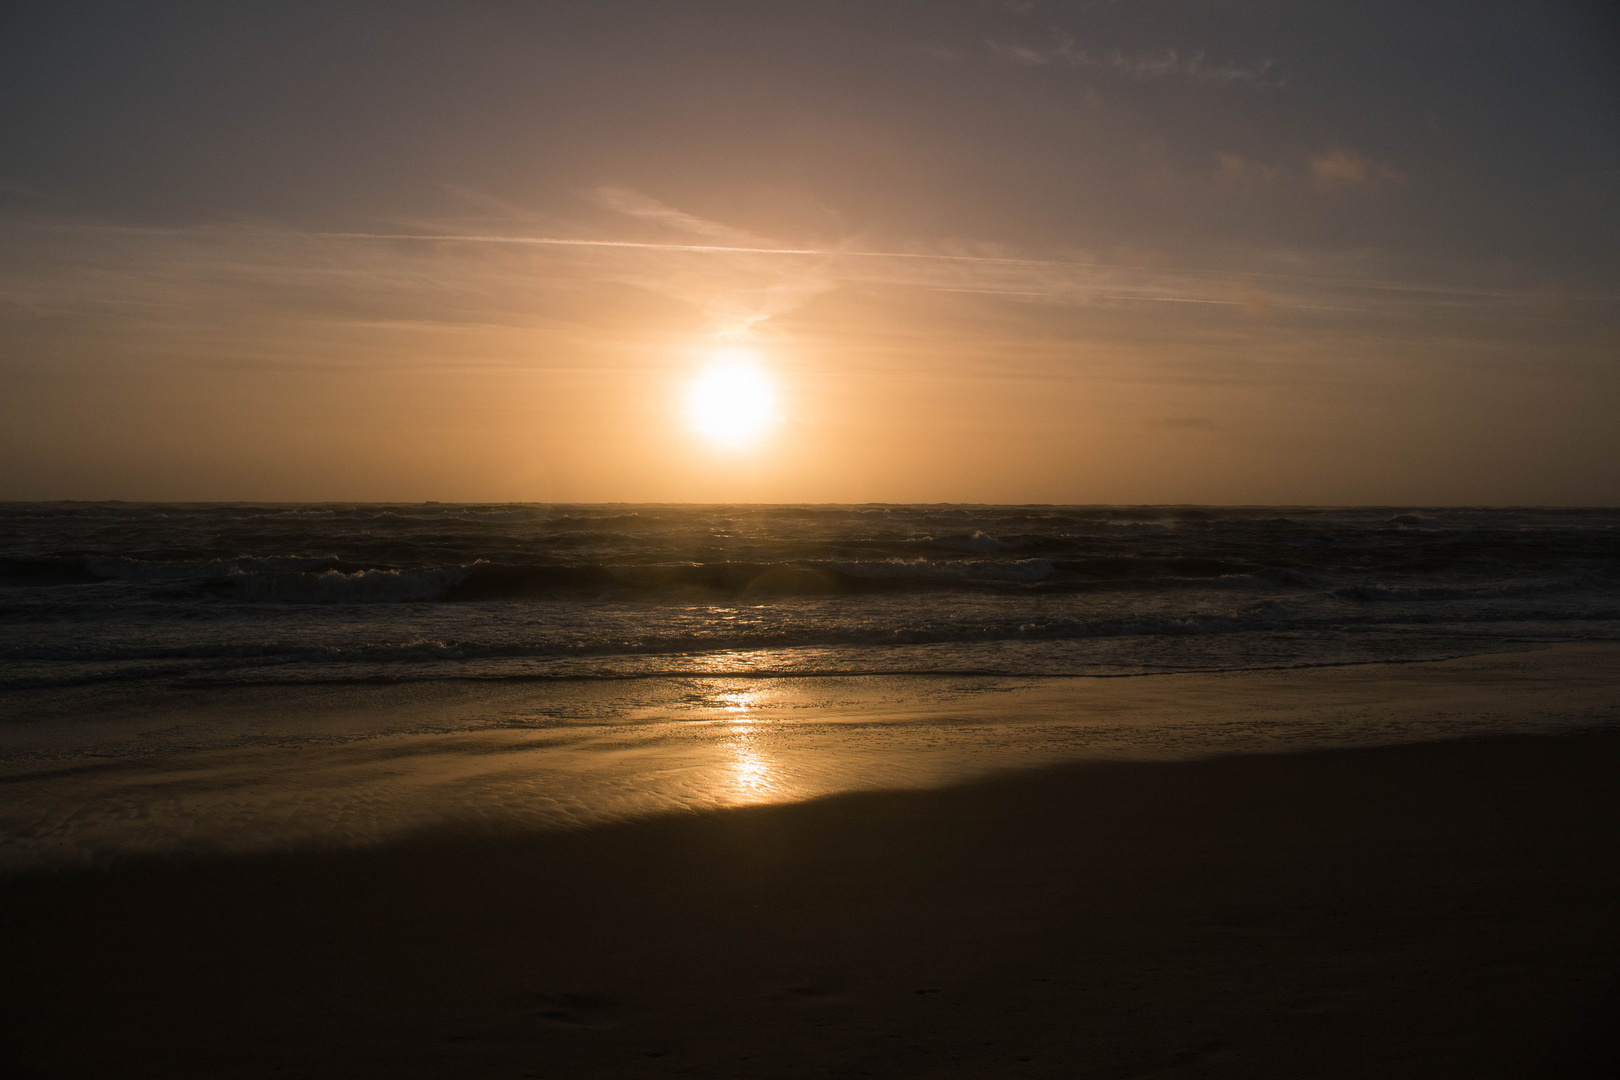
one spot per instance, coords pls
(238, 675)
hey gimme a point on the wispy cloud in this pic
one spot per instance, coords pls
(935, 50)
(742, 286)
(1195, 67)
(1022, 55)
(1340, 170)
(1234, 172)
(558, 284)
(634, 204)
(1347, 168)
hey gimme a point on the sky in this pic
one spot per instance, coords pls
(1035, 251)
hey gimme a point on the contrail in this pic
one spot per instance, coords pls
(726, 249)
(1416, 289)
(1173, 300)
(708, 248)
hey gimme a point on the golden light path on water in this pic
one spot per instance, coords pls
(754, 775)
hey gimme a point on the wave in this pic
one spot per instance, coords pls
(1590, 584)
(330, 580)
(681, 643)
(334, 586)
(562, 641)
(811, 577)
(1026, 650)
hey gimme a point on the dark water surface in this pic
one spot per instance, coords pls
(220, 678)
(120, 594)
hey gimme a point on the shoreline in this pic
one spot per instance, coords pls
(276, 768)
(184, 684)
(1419, 910)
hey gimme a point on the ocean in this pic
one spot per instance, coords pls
(243, 675)
(121, 595)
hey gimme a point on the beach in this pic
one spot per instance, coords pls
(1436, 908)
(97, 775)
(978, 538)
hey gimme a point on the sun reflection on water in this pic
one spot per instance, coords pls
(752, 775)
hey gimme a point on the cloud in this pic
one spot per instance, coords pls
(327, 285)
(1163, 63)
(499, 208)
(1238, 173)
(1339, 170)
(937, 51)
(634, 204)
(1018, 54)
(1347, 168)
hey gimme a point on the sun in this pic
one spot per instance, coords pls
(732, 402)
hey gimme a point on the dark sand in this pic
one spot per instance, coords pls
(1449, 909)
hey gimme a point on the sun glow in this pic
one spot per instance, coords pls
(732, 402)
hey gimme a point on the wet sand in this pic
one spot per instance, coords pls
(225, 770)
(1441, 909)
